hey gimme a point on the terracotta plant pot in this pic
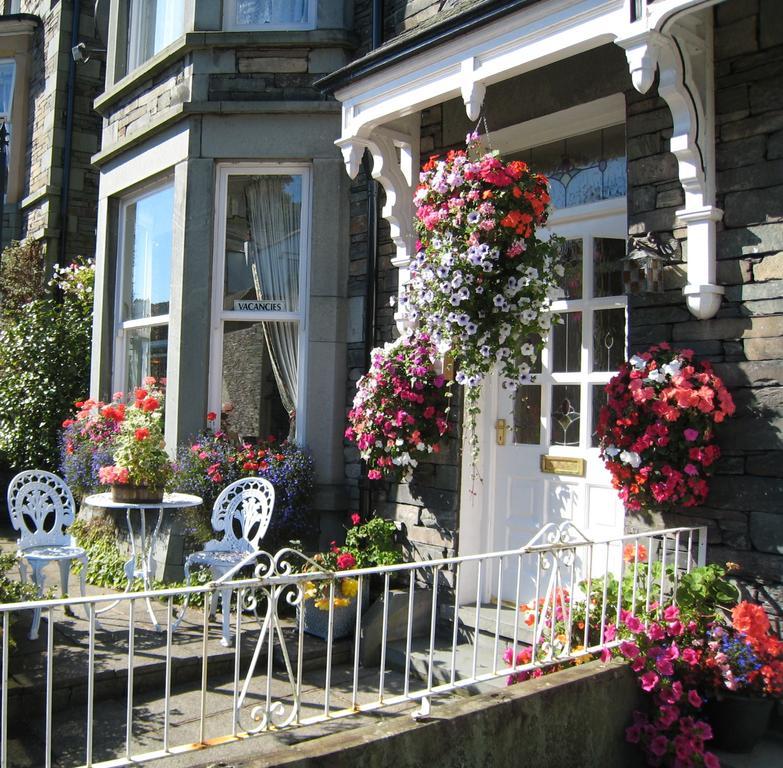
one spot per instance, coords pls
(136, 494)
(738, 722)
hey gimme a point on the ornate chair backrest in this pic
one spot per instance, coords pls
(41, 508)
(242, 513)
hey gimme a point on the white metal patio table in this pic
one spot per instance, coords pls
(141, 564)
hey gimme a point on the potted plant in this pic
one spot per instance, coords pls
(367, 545)
(140, 465)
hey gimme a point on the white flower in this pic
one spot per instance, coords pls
(656, 376)
(527, 349)
(672, 368)
(559, 270)
(637, 362)
(631, 457)
(611, 451)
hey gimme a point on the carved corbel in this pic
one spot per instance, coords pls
(682, 56)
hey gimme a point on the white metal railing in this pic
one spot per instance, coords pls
(575, 590)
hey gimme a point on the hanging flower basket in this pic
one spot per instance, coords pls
(657, 432)
(481, 281)
(400, 411)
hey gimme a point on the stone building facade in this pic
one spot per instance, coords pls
(218, 106)
(52, 185)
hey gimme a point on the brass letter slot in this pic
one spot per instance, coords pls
(563, 465)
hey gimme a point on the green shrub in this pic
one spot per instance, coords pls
(44, 367)
(22, 275)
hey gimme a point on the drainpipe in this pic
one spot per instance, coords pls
(66, 181)
(371, 295)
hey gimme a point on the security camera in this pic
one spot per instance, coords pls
(81, 52)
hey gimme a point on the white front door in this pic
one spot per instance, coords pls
(555, 417)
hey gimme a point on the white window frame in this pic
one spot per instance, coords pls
(219, 315)
(229, 12)
(122, 326)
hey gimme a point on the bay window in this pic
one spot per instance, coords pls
(144, 277)
(259, 301)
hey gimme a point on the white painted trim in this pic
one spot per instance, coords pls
(519, 42)
(219, 315)
(590, 116)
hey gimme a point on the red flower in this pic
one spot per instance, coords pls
(150, 404)
(346, 561)
(142, 433)
(211, 416)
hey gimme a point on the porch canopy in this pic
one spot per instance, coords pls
(473, 45)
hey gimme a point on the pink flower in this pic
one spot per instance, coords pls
(671, 612)
(694, 699)
(659, 745)
(710, 761)
(649, 680)
(690, 434)
(629, 650)
(634, 624)
(356, 518)
(668, 715)
(689, 656)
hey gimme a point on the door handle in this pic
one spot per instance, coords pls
(500, 432)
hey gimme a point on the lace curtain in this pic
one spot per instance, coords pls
(270, 11)
(274, 248)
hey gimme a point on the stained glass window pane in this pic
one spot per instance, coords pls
(583, 169)
(527, 414)
(565, 414)
(608, 339)
(567, 343)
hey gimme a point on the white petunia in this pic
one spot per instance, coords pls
(631, 457)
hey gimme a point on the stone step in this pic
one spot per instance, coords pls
(488, 659)
(488, 622)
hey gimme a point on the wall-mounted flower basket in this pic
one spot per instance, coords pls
(657, 431)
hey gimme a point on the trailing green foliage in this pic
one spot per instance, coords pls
(11, 590)
(44, 367)
(705, 593)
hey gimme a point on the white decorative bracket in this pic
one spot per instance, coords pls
(472, 90)
(395, 165)
(682, 55)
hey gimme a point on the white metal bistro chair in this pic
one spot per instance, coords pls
(41, 508)
(242, 513)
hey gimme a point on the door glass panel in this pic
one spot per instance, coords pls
(527, 414)
(608, 253)
(571, 282)
(565, 414)
(598, 399)
(608, 339)
(567, 343)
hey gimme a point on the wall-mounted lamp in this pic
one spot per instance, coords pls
(643, 266)
(82, 52)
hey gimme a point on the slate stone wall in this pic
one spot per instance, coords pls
(743, 513)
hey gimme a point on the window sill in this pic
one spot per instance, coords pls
(192, 41)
